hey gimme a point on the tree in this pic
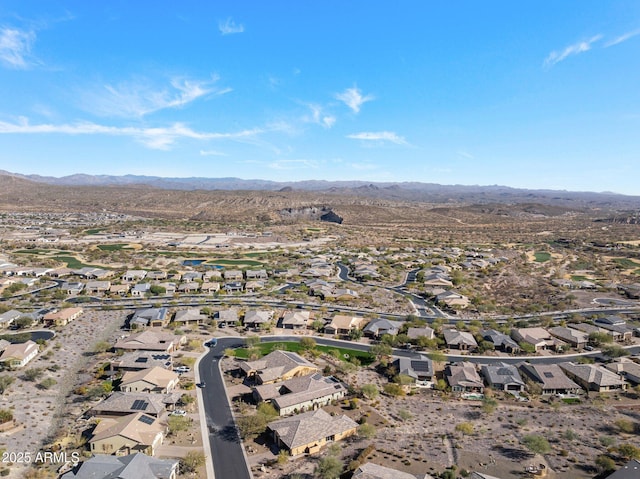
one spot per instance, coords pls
(598, 339)
(5, 416)
(329, 467)
(489, 405)
(47, 383)
(381, 350)
(629, 451)
(5, 382)
(355, 334)
(465, 428)
(367, 431)
(191, 462)
(267, 410)
(101, 347)
(33, 374)
(178, 423)
(157, 290)
(370, 391)
(605, 463)
(307, 344)
(393, 389)
(625, 426)
(23, 322)
(252, 341)
(536, 443)
(614, 351)
(253, 425)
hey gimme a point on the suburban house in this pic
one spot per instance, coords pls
(233, 275)
(627, 368)
(380, 326)
(464, 378)
(307, 433)
(62, 317)
(234, 287)
(369, 470)
(539, 338)
(125, 403)
(154, 317)
(138, 360)
(227, 317)
(615, 326)
(278, 366)
(500, 341)
(127, 434)
(101, 466)
(461, 340)
(152, 380)
(73, 287)
(210, 287)
(119, 289)
(593, 377)
(342, 325)
(550, 378)
(192, 287)
(256, 274)
(251, 286)
(253, 318)
(426, 332)
(295, 320)
(452, 299)
(189, 316)
(169, 287)
(18, 355)
(97, 287)
(151, 340)
(134, 275)
(7, 318)
(141, 289)
(300, 394)
(576, 338)
(191, 276)
(437, 279)
(156, 275)
(420, 370)
(93, 273)
(503, 377)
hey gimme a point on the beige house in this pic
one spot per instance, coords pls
(136, 432)
(151, 340)
(342, 324)
(539, 338)
(305, 393)
(307, 433)
(152, 380)
(62, 317)
(295, 320)
(592, 377)
(278, 366)
(17, 355)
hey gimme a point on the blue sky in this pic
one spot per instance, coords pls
(534, 94)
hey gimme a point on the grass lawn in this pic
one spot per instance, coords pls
(113, 247)
(578, 277)
(542, 256)
(33, 251)
(95, 231)
(626, 263)
(74, 263)
(294, 346)
(234, 262)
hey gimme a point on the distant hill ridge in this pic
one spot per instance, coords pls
(395, 191)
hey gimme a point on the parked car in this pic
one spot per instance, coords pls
(201, 385)
(181, 369)
(178, 412)
(211, 343)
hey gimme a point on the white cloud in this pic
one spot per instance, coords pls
(318, 117)
(622, 38)
(575, 49)
(138, 98)
(466, 155)
(352, 97)
(212, 153)
(364, 166)
(159, 138)
(229, 27)
(15, 47)
(379, 136)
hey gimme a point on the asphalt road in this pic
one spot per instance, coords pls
(226, 448)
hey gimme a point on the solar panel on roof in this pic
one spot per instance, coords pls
(139, 405)
(146, 419)
(141, 360)
(420, 366)
(548, 374)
